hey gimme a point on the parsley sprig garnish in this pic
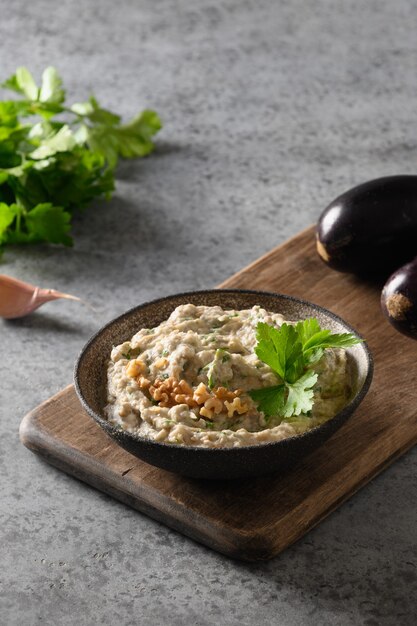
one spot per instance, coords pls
(56, 158)
(290, 351)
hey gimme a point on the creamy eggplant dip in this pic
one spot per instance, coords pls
(187, 380)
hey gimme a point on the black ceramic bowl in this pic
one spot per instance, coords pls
(216, 463)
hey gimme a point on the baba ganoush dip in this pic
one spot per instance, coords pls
(187, 380)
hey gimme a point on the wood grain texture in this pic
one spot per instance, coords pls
(256, 519)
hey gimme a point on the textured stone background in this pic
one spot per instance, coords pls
(271, 109)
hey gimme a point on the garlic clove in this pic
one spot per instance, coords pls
(18, 298)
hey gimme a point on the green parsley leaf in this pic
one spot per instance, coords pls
(290, 351)
(26, 83)
(281, 350)
(97, 114)
(211, 381)
(307, 329)
(9, 111)
(225, 356)
(22, 82)
(7, 215)
(51, 88)
(270, 400)
(300, 395)
(47, 222)
(11, 83)
(315, 340)
(61, 141)
(51, 167)
(129, 140)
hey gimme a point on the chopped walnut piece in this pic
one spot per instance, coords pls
(214, 404)
(143, 382)
(135, 367)
(181, 398)
(225, 394)
(236, 406)
(184, 387)
(201, 394)
(171, 391)
(206, 412)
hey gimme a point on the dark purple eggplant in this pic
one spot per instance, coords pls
(372, 228)
(399, 299)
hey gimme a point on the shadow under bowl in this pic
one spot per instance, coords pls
(213, 463)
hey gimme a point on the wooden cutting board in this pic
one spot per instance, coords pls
(256, 519)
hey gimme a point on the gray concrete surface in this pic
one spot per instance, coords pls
(270, 109)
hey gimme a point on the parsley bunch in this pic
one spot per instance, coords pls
(290, 351)
(51, 167)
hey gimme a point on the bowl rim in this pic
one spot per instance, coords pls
(113, 430)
